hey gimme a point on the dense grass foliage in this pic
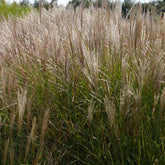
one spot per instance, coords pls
(13, 9)
(84, 87)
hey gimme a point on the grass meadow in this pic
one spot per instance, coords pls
(82, 87)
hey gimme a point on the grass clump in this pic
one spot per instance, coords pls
(82, 88)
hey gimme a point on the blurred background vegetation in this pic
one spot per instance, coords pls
(18, 9)
(14, 8)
